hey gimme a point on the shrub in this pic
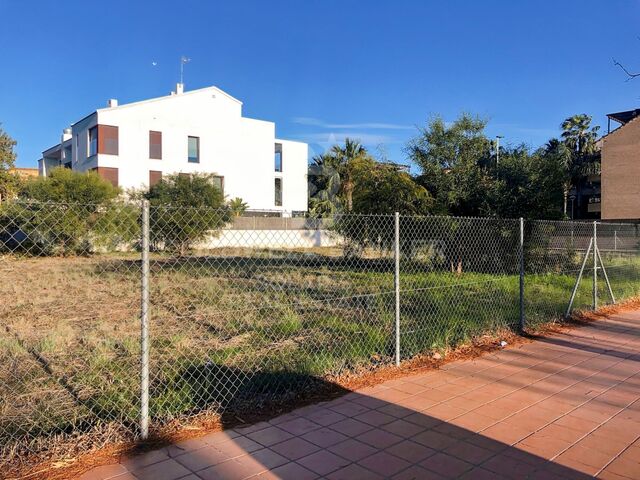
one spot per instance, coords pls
(184, 210)
(67, 213)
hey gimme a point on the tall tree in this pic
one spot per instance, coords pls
(332, 176)
(9, 181)
(454, 160)
(581, 157)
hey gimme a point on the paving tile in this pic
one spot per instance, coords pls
(416, 472)
(625, 468)
(403, 428)
(325, 417)
(384, 463)
(379, 438)
(434, 440)
(353, 450)
(375, 418)
(351, 427)
(268, 458)
(148, 458)
(469, 452)
(270, 436)
(200, 459)
(230, 470)
(323, 462)
(324, 437)
(295, 448)
(298, 426)
(354, 472)
(293, 471)
(238, 447)
(446, 465)
(165, 470)
(411, 451)
(104, 472)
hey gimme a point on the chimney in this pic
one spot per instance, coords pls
(113, 102)
(179, 88)
(66, 135)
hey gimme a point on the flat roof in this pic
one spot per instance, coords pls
(624, 117)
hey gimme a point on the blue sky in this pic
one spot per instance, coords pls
(323, 70)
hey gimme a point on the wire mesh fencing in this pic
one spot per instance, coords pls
(120, 318)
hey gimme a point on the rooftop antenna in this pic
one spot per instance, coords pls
(183, 60)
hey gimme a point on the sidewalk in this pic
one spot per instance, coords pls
(565, 407)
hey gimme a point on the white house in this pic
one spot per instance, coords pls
(135, 144)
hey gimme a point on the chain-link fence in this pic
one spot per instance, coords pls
(115, 319)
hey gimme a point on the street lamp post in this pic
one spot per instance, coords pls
(498, 137)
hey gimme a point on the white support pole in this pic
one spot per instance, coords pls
(521, 259)
(577, 284)
(397, 284)
(595, 265)
(144, 326)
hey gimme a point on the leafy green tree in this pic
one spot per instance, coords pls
(64, 185)
(9, 182)
(238, 206)
(185, 209)
(454, 160)
(67, 213)
(526, 185)
(382, 189)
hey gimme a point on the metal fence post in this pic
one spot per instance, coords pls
(521, 255)
(144, 326)
(595, 265)
(397, 284)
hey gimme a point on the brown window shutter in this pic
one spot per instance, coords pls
(109, 174)
(154, 177)
(155, 145)
(108, 139)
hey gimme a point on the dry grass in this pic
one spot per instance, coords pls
(230, 334)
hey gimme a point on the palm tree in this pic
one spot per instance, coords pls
(577, 152)
(332, 175)
(578, 134)
(345, 158)
(237, 206)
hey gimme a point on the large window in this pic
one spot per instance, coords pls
(278, 157)
(218, 182)
(103, 139)
(93, 141)
(154, 177)
(194, 150)
(155, 145)
(108, 139)
(278, 190)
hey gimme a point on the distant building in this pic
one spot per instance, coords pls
(25, 173)
(135, 144)
(620, 151)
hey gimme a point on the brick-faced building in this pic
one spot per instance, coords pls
(620, 178)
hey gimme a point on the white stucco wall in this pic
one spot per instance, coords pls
(238, 148)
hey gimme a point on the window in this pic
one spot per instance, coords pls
(109, 174)
(108, 139)
(154, 177)
(155, 145)
(93, 141)
(278, 189)
(67, 154)
(278, 157)
(103, 139)
(194, 150)
(218, 182)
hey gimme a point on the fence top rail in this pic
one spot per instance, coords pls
(285, 215)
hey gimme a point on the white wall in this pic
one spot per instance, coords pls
(238, 148)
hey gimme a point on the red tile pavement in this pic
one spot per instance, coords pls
(564, 407)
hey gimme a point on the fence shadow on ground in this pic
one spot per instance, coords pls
(348, 435)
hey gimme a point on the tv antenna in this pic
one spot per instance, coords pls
(183, 60)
